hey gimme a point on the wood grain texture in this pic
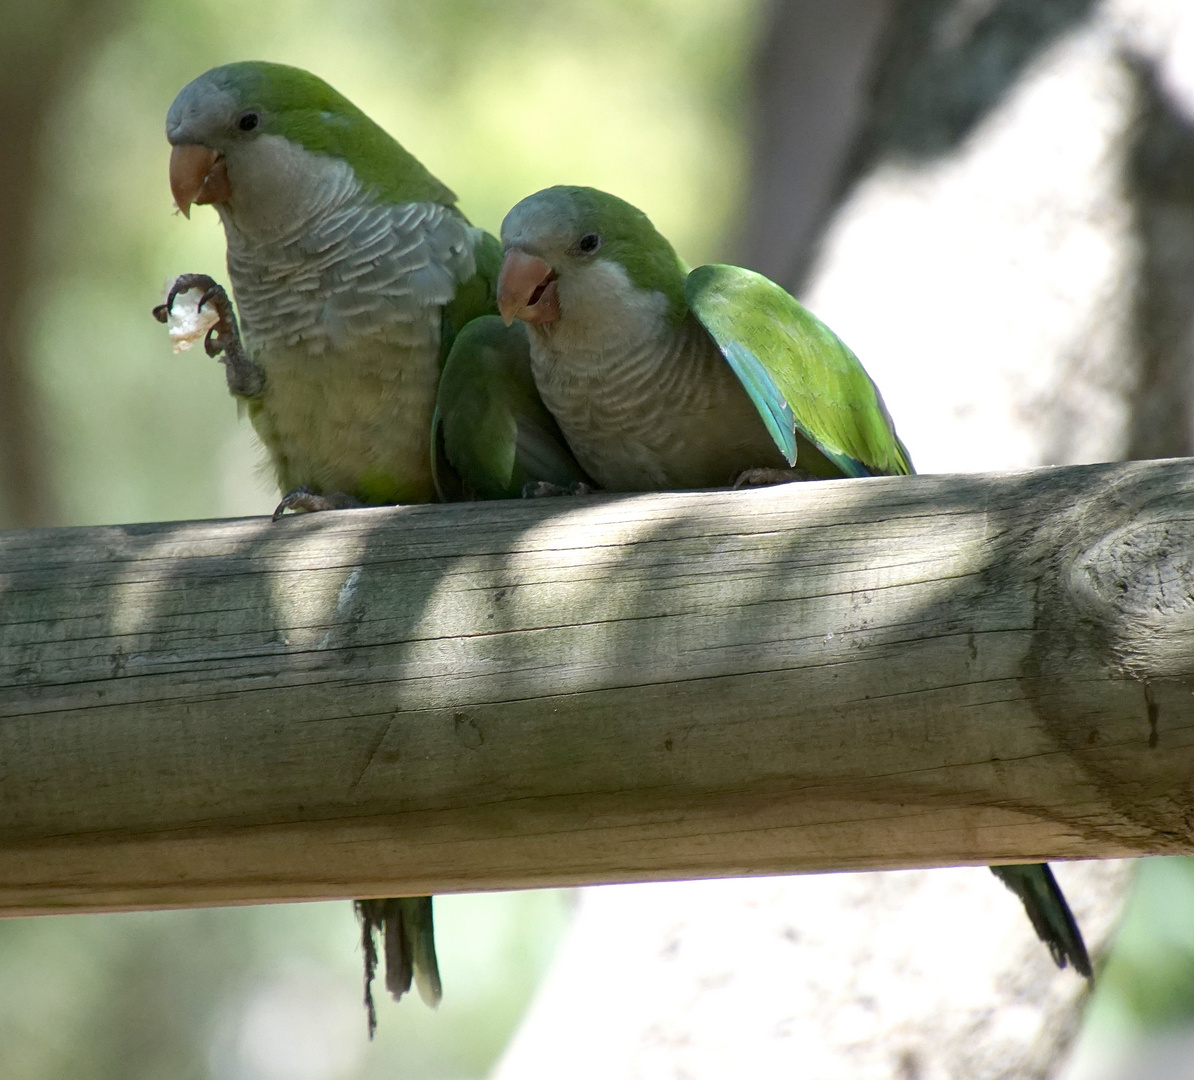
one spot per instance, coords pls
(899, 672)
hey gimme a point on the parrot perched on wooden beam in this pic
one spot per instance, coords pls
(353, 273)
(352, 269)
(663, 378)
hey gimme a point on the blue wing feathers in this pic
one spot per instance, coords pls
(767, 397)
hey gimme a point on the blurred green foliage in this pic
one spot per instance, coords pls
(1149, 980)
(260, 993)
(499, 99)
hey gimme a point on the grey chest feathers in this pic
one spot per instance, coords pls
(344, 267)
(655, 408)
(341, 307)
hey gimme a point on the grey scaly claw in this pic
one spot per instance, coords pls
(767, 477)
(304, 500)
(542, 489)
(245, 378)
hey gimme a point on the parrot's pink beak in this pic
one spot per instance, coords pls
(527, 289)
(198, 175)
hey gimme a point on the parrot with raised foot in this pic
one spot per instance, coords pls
(353, 272)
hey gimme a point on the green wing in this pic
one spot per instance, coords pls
(800, 376)
(490, 424)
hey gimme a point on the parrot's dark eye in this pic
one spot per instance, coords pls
(249, 121)
(588, 243)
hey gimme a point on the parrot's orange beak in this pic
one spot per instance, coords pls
(198, 175)
(527, 289)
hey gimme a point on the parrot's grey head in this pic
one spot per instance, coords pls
(261, 141)
(575, 252)
(223, 127)
(209, 111)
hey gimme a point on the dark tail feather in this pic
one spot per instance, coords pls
(408, 942)
(1051, 917)
(369, 914)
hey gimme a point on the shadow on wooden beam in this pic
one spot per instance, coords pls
(884, 673)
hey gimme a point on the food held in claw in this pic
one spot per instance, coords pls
(186, 321)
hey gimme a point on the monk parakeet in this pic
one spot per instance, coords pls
(664, 378)
(352, 270)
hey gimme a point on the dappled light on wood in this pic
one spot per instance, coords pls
(885, 673)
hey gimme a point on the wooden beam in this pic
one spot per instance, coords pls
(877, 673)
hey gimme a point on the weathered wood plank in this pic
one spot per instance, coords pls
(894, 672)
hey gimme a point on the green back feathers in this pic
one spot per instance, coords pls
(798, 372)
(303, 108)
(469, 461)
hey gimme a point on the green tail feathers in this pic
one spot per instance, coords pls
(1051, 917)
(408, 942)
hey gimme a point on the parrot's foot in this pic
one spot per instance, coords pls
(305, 500)
(542, 489)
(766, 477)
(245, 379)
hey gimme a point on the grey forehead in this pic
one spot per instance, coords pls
(201, 109)
(544, 218)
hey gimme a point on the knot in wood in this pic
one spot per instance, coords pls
(1136, 584)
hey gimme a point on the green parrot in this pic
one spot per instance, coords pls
(352, 270)
(353, 273)
(663, 378)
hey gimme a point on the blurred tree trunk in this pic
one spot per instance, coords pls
(40, 51)
(993, 202)
(1160, 184)
(811, 77)
(839, 87)
(842, 88)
